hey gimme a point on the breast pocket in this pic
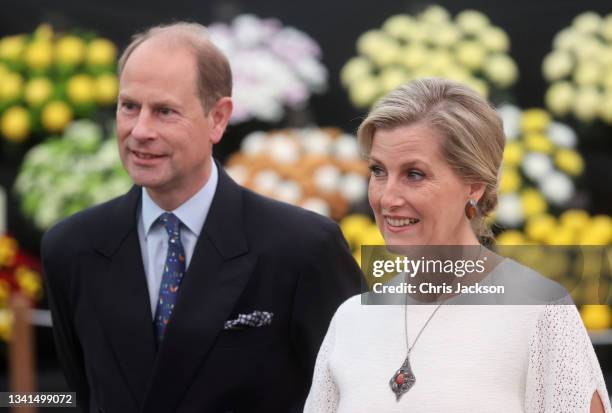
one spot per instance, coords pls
(248, 337)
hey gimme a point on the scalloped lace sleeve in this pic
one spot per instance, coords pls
(563, 371)
(324, 395)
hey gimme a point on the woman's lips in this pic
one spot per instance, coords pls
(400, 224)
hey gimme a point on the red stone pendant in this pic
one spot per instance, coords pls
(403, 379)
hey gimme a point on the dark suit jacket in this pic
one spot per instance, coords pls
(252, 254)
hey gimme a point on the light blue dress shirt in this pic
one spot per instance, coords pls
(154, 238)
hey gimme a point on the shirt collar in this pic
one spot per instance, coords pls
(192, 212)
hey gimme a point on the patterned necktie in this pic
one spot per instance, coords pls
(174, 269)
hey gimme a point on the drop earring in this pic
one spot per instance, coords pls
(470, 209)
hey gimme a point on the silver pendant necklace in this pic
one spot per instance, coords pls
(404, 378)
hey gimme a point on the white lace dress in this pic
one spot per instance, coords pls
(470, 358)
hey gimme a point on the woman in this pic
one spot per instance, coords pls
(434, 149)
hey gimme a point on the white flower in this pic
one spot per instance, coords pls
(501, 69)
(266, 181)
(283, 149)
(472, 21)
(588, 22)
(353, 187)
(509, 210)
(562, 135)
(511, 118)
(536, 165)
(557, 188)
(317, 205)
(316, 142)
(238, 173)
(354, 69)
(327, 178)
(495, 39)
(587, 73)
(288, 191)
(346, 148)
(253, 144)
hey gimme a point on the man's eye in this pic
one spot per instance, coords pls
(165, 111)
(128, 106)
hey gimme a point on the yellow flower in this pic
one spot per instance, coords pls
(56, 115)
(6, 324)
(535, 120)
(11, 86)
(413, 56)
(11, 47)
(5, 293)
(101, 52)
(44, 32)
(561, 236)
(16, 124)
(8, 251)
(586, 105)
(575, 219)
(606, 27)
(392, 77)
(557, 65)
(353, 226)
(501, 70)
(29, 282)
(596, 317)
(435, 14)
(511, 237)
(510, 181)
(38, 91)
(354, 69)
(588, 22)
(538, 142)
(39, 54)
(533, 202)
(365, 91)
(513, 153)
(369, 42)
(495, 39)
(598, 232)
(107, 87)
(560, 98)
(539, 226)
(70, 50)
(587, 73)
(387, 53)
(472, 21)
(445, 35)
(398, 26)
(569, 161)
(80, 89)
(471, 54)
(605, 109)
(371, 236)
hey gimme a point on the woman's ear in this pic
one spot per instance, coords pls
(477, 190)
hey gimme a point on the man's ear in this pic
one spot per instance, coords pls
(219, 116)
(476, 189)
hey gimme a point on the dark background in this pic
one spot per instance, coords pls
(335, 25)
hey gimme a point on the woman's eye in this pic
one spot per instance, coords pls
(376, 170)
(416, 175)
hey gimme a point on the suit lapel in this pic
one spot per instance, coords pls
(119, 292)
(214, 281)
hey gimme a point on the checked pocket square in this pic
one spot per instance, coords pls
(254, 319)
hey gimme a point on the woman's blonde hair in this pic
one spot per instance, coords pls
(473, 142)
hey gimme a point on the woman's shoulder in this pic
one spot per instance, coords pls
(524, 285)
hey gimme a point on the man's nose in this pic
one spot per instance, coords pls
(144, 127)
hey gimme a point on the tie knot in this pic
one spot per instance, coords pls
(172, 224)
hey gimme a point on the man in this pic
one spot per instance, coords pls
(189, 293)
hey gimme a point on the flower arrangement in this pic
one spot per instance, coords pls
(467, 49)
(579, 69)
(19, 273)
(47, 79)
(360, 229)
(539, 167)
(273, 66)
(318, 169)
(64, 175)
